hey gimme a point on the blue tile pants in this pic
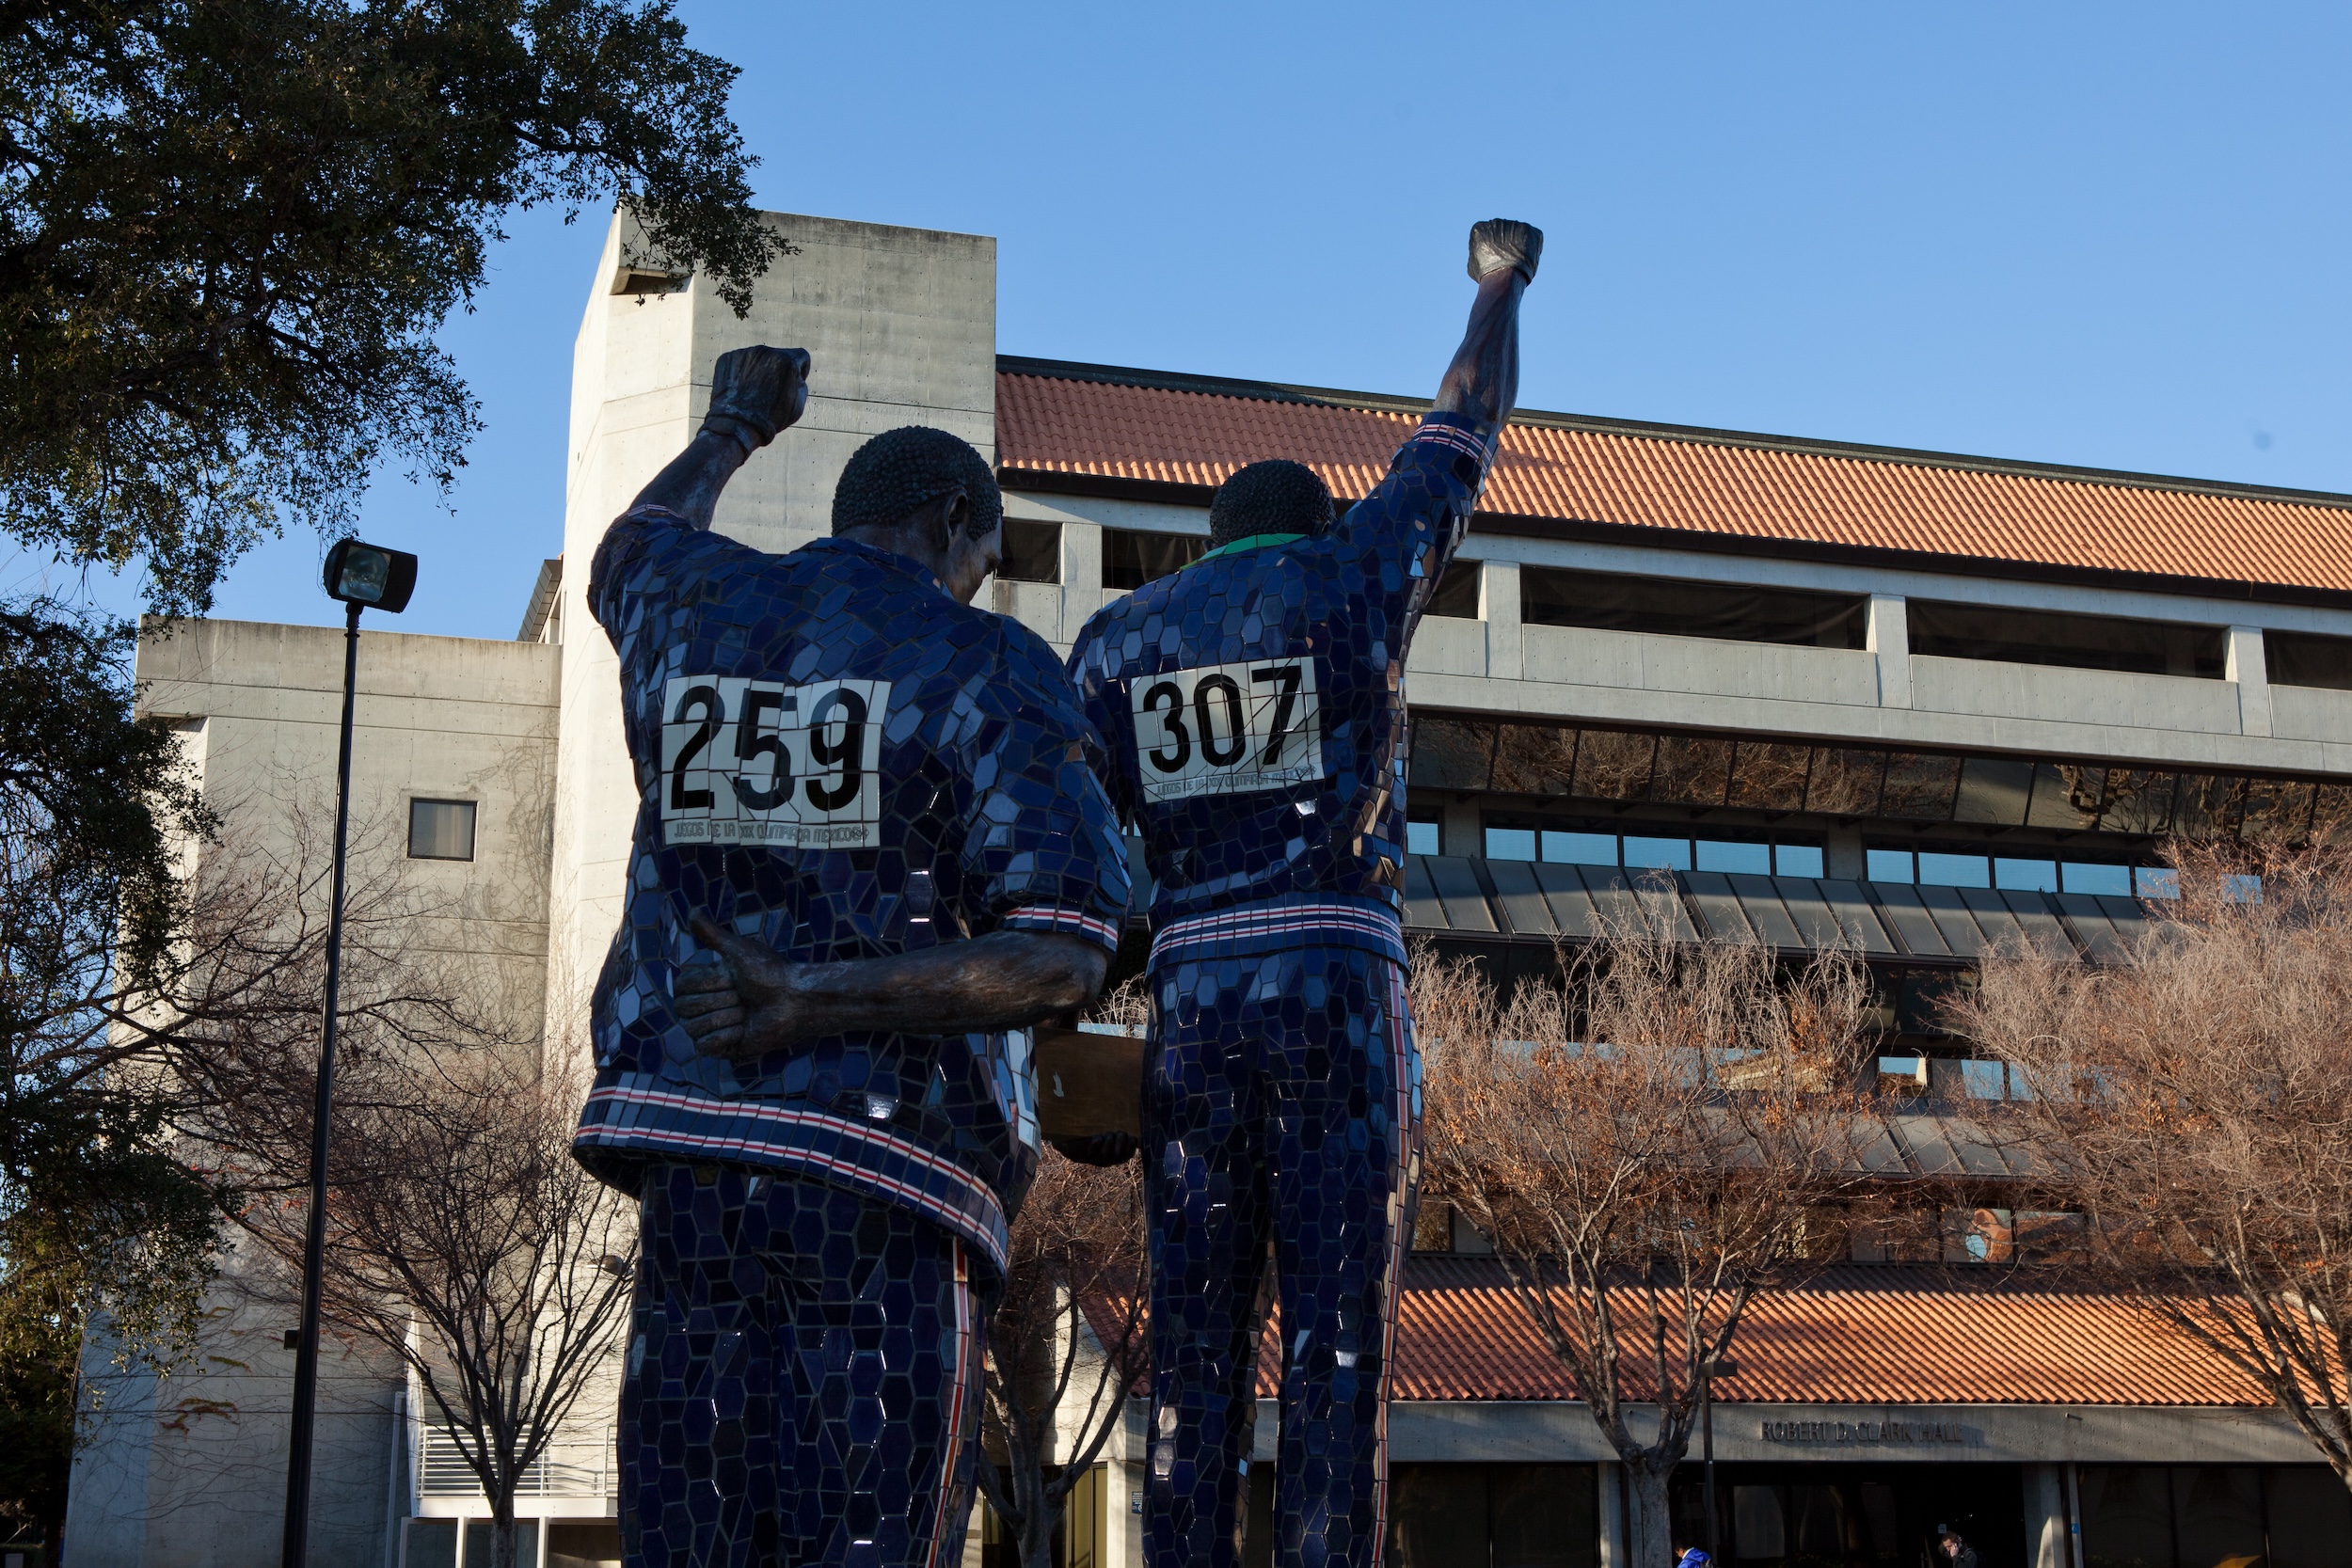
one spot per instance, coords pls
(802, 1379)
(1283, 1104)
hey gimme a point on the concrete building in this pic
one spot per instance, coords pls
(1906, 700)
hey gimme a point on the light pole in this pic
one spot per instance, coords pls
(360, 576)
(1717, 1367)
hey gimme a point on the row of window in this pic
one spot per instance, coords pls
(1536, 758)
(1613, 601)
(1656, 851)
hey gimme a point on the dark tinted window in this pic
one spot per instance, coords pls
(1131, 559)
(1553, 597)
(2311, 1518)
(1457, 591)
(1493, 1516)
(1032, 551)
(2077, 642)
(2127, 1516)
(2302, 658)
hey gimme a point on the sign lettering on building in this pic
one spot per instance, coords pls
(1898, 1431)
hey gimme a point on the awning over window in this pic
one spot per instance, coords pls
(1540, 901)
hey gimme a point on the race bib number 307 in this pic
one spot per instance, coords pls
(1227, 729)
(757, 762)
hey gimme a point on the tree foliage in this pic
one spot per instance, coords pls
(96, 1215)
(2193, 1101)
(1648, 1150)
(230, 229)
(1066, 1345)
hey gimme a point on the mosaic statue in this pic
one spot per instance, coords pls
(1252, 707)
(875, 805)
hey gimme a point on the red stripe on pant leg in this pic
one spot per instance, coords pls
(953, 1453)
(1399, 1239)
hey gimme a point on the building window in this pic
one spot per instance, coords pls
(1736, 612)
(1032, 551)
(2187, 1515)
(1456, 594)
(1478, 1516)
(2305, 659)
(1523, 839)
(1951, 868)
(441, 830)
(1420, 837)
(1131, 558)
(2075, 642)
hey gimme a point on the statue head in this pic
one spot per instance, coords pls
(1274, 496)
(926, 494)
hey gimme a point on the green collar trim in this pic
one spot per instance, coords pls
(1255, 542)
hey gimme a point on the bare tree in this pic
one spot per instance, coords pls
(462, 1237)
(1068, 1342)
(1648, 1150)
(2193, 1101)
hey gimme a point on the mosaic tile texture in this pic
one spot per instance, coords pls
(835, 757)
(803, 1378)
(919, 770)
(1252, 709)
(1224, 825)
(1282, 1106)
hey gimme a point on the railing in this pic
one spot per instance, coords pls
(575, 1463)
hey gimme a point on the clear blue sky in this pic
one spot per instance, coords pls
(2113, 235)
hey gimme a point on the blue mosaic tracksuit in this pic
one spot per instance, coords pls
(836, 757)
(1253, 709)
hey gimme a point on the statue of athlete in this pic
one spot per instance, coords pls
(1252, 709)
(875, 802)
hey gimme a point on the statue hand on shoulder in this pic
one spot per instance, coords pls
(742, 1006)
(1500, 242)
(756, 392)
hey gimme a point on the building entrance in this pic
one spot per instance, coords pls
(1832, 1515)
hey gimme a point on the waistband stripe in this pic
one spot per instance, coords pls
(750, 1129)
(1287, 924)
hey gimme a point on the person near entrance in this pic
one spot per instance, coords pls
(867, 834)
(1254, 716)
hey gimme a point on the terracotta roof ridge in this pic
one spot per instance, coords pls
(1806, 446)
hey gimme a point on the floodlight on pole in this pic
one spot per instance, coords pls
(363, 577)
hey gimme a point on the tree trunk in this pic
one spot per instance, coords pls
(1038, 1518)
(1650, 1535)
(503, 1531)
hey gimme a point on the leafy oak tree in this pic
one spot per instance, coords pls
(96, 1215)
(230, 229)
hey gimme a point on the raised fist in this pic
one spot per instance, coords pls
(756, 392)
(1500, 243)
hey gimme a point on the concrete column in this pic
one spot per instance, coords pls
(1081, 577)
(1460, 833)
(1841, 851)
(1615, 1550)
(1887, 634)
(2047, 1542)
(1499, 606)
(2247, 666)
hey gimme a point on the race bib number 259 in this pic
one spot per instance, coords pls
(758, 762)
(1227, 729)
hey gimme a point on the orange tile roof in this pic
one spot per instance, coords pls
(1858, 1336)
(1690, 486)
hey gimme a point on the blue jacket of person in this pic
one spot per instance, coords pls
(835, 757)
(1253, 706)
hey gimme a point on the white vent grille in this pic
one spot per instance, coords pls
(577, 1463)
